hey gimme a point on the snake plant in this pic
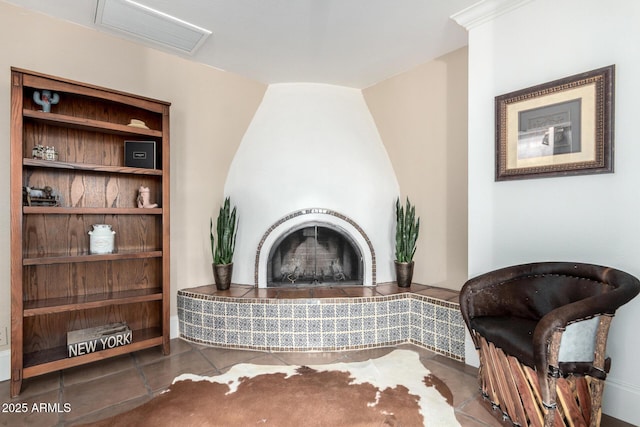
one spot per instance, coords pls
(407, 229)
(223, 243)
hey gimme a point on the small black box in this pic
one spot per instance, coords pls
(141, 154)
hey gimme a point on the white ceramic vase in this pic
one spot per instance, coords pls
(101, 239)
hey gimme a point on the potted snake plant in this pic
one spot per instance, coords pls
(407, 230)
(223, 244)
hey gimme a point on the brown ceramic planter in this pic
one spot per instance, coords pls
(222, 275)
(404, 273)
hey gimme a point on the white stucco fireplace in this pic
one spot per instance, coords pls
(312, 156)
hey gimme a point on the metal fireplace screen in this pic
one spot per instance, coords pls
(315, 255)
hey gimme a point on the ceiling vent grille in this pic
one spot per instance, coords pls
(142, 22)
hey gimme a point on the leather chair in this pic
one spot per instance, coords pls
(541, 331)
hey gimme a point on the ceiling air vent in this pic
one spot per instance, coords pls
(142, 22)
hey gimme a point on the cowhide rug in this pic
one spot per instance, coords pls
(393, 390)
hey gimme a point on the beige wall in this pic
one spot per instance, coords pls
(422, 118)
(210, 112)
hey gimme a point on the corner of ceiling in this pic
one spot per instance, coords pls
(485, 11)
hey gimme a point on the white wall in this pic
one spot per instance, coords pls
(312, 146)
(593, 219)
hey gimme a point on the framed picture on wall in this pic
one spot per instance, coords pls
(564, 127)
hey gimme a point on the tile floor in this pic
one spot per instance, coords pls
(111, 386)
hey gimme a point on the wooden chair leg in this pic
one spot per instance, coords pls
(549, 391)
(515, 391)
(597, 386)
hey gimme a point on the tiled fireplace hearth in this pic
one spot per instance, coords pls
(302, 320)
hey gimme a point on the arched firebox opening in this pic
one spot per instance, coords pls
(314, 255)
(355, 240)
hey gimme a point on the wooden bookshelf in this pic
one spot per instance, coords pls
(57, 285)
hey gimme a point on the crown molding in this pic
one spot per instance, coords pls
(484, 11)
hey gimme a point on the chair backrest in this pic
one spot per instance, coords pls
(533, 296)
(534, 290)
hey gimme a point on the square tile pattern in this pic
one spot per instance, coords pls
(286, 322)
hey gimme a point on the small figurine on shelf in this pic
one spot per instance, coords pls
(38, 152)
(50, 153)
(44, 153)
(137, 124)
(46, 196)
(46, 100)
(143, 198)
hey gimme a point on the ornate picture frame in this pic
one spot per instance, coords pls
(564, 127)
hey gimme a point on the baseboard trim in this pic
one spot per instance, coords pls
(174, 327)
(5, 365)
(620, 400)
